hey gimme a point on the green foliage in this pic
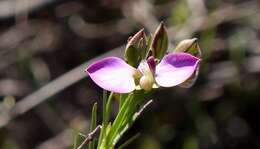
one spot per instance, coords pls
(77, 140)
(111, 132)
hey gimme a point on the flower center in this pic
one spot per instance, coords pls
(146, 73)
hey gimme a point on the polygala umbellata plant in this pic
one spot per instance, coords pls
(147, 65)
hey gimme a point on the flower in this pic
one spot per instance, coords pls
(114, 74)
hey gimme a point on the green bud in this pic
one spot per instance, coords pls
(148, 51)
(189, 46)
(133, 41)
(132, 56)
(142, 47)
(159, 43)
(135, 47)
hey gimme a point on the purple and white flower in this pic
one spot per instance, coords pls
(115, 75)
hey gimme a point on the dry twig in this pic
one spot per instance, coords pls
(90, 136)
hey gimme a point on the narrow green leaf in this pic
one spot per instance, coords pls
(129, 116)
(122, 99)
(126, 123)
(160, 42)
(132, 117)
(108, 108)
(105, 141)
(78, 138)
(104, 104)
(93, 125)
(119, 119)
(103, 129)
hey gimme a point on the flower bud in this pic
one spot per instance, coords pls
(136, 38)
(134, 48)
(159, 42)
(142, 46)
(189, 46)
(146, 82)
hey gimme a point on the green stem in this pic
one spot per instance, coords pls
(93, 125)
(126, 117)
(131, 117)
(104, 104)
(103, 129)
(122, 99)
(119, 119)
(108, 108)
(106, 114)
(123, 121)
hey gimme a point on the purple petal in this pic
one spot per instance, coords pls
(175, 68)
(112, 74)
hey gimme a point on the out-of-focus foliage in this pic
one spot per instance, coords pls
(41, 40)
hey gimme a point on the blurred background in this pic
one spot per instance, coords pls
(46, 98)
